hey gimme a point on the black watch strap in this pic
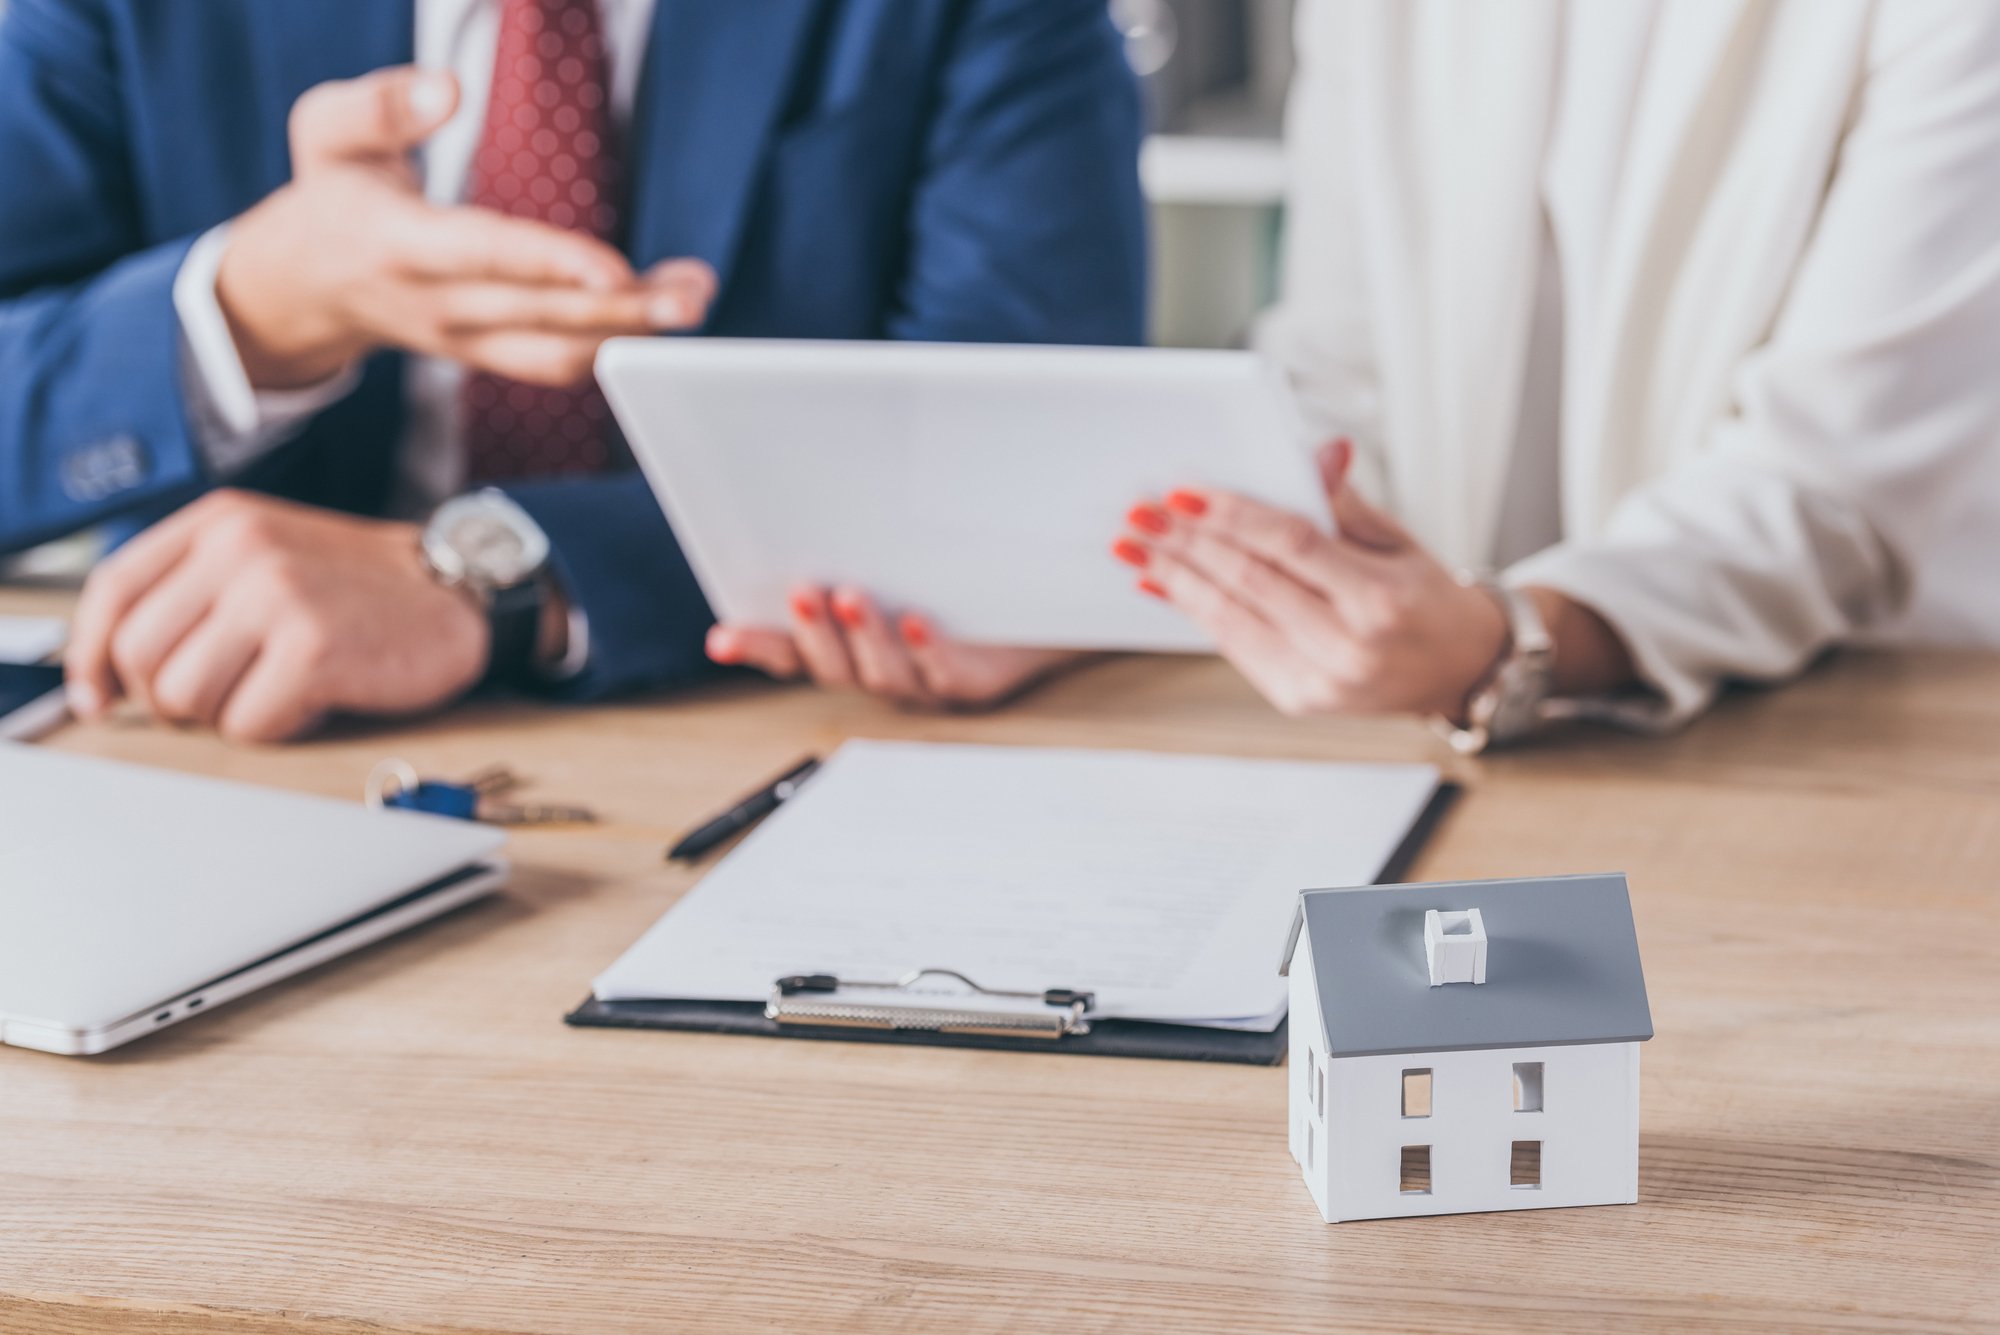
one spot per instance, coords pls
(514, 616)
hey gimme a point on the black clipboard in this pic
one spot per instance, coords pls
(1106, 1038)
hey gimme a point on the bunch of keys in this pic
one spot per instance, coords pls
(395, 784)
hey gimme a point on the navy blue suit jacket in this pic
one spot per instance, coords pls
(920, 169)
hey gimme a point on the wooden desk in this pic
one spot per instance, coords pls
(411, 1139)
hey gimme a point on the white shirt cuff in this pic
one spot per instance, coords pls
(234, 423)
(1667, 695)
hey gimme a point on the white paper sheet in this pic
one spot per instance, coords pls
(1164, 884)
(31, 639)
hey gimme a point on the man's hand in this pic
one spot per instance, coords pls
(260, 618)
(349, 257)
(843, 642)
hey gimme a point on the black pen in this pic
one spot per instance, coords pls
(744, 814)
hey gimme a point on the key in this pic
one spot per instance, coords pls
(493, 781)
(395, 784)
(533, 813)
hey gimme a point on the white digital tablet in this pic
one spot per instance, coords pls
(981, 485)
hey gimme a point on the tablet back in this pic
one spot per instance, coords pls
(981, 485)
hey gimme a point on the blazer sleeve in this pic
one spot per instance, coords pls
(1026, 226)
(1858, 426)
(92, 420)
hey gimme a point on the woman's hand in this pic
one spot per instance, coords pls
(841, 640)
(1365, 621)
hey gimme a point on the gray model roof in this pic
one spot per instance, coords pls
(1562, 966)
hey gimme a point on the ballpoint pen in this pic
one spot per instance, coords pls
(744, 814)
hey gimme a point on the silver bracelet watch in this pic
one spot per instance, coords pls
(486, 545)
(1512, 701)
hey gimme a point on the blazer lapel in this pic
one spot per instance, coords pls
(715, 82)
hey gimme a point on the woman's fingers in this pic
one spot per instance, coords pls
(772, 652)
(1257, 649)
(1283, 539)
(1279, 595)
(882, 662)
(1358, 520)
(820, 644)
(974, 676)
(842, 640)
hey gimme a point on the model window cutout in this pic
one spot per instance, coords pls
(1416, 1175)
(1309, 1144)
(1527, 1086)
(1524, 1168)
(1417, 1093)
(1319, 1090)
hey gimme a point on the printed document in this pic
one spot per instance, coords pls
(1164, 884)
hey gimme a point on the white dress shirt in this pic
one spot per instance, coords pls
(1602, 47)
(235, 423)
(1772, 222)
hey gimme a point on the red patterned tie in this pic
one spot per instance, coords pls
(545, 153)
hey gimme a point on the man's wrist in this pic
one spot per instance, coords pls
(284, 343)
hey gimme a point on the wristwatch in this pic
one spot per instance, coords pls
(485, 544)
(1511, 702)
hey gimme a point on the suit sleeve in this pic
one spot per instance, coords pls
(1861, 428)
(92, 420)
(1026, 226)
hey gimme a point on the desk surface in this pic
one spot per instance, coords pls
(411, 1140)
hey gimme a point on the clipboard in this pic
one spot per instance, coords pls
(915, 1010)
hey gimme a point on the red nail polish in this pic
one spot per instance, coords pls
(916, 632)
(1130, 552)
(1147, 518)
(1188, 503)
(1148, 587)
(849, 612)
(805, 607)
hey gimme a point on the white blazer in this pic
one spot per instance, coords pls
(1780, 399)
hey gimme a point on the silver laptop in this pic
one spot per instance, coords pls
(132, 898)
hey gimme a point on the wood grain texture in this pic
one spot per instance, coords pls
(410, 1140)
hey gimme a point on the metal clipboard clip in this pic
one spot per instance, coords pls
(822, 999)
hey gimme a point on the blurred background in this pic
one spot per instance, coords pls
(1215, 73)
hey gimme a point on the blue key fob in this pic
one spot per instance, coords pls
(437, 799)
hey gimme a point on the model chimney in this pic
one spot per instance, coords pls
(1455, 946)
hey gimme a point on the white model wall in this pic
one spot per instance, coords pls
(1308, 1125)
(1588, 1128)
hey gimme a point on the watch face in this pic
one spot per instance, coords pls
(494, 543)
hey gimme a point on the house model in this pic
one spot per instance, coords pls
(1469, 1045)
